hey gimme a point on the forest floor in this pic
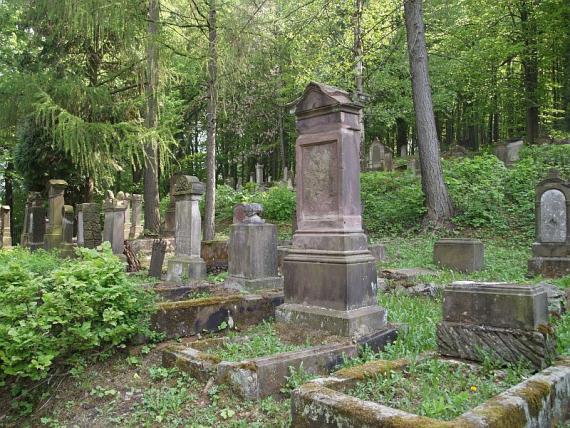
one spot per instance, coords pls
(131, 388)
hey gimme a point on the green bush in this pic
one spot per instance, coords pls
(477, 189)
(278, 203)
(393, 202)
(81, 305)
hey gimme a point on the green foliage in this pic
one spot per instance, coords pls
(50, 315)
(476, 186)
(393, 202)
(278, 203)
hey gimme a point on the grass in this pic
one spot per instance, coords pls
(438, 389)
(262, 340)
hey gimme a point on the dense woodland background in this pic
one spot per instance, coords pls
(118, 93)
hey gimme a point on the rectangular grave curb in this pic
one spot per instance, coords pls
(261, 377)
(543, 400)
(190, 317)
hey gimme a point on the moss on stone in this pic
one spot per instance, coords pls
(371, 369)
(206, 301)
(420, 421)
(499, 414)
(534, 393)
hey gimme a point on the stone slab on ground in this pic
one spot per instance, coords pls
(540, 401)
(190, 317)
(462, 255)
(406, 277)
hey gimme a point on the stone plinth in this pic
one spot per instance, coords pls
(56, 201)
(67, 231)
(37, 227)
(509, 322)
(462, 255)
(187, 263)
(253, 252)
(136, 216)
(330, 275)
(114, 226)
(259, 174)
(551, 251)
(6, 233)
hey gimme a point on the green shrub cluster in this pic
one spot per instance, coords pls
(49, 315)
(393, 202)
(278, 202)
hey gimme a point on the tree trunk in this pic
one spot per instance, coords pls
(438, 202)
(151, 195)
(530, 67)
(209, 215)
(402, 135)
(358, 51)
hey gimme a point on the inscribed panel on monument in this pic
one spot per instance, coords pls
(320, 179)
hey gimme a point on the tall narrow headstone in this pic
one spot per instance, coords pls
(128, 214)
(54, 232)
(89, 225)
(37, 226)
(67, 231)
(329, 273)
(259, 174)
(6, 238)
(252, 251)
(551, 251)
(136, 216)
(187, 262)
(33, 198)
(114, 227)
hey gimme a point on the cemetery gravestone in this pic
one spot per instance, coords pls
(37, 226)
(89, 225)
(157, 258)
(187, 262)
(136, 216)
(128, 214)
(32, 199)
(6, 238)
(114, 226)
(508, 152)
(54, 233)
(460, 254)
(67, 231)
(259, 174)
(376, 155)
(551, 251)
(252, 251)
(506, 321)
(330, 279)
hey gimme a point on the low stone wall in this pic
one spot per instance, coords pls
(541, 401)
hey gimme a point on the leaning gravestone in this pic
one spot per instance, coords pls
(157, 258)
(54, 232)
(37, 226)
(551, 251)
(506, 322)
(252, 251)
(508, 152)
(114, 226)
(187, 262)
(6, 238)
(330, 278)
(376, 155)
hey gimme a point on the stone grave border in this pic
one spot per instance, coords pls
(265, 376)
(542, 400)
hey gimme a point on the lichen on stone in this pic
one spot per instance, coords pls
(534, 392)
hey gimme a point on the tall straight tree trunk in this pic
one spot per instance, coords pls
(359, 64)
(402, 135)
(530, 67)
(151, 195)
(209, 216)
(438, 202)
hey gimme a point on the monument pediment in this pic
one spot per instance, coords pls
(318, 95)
